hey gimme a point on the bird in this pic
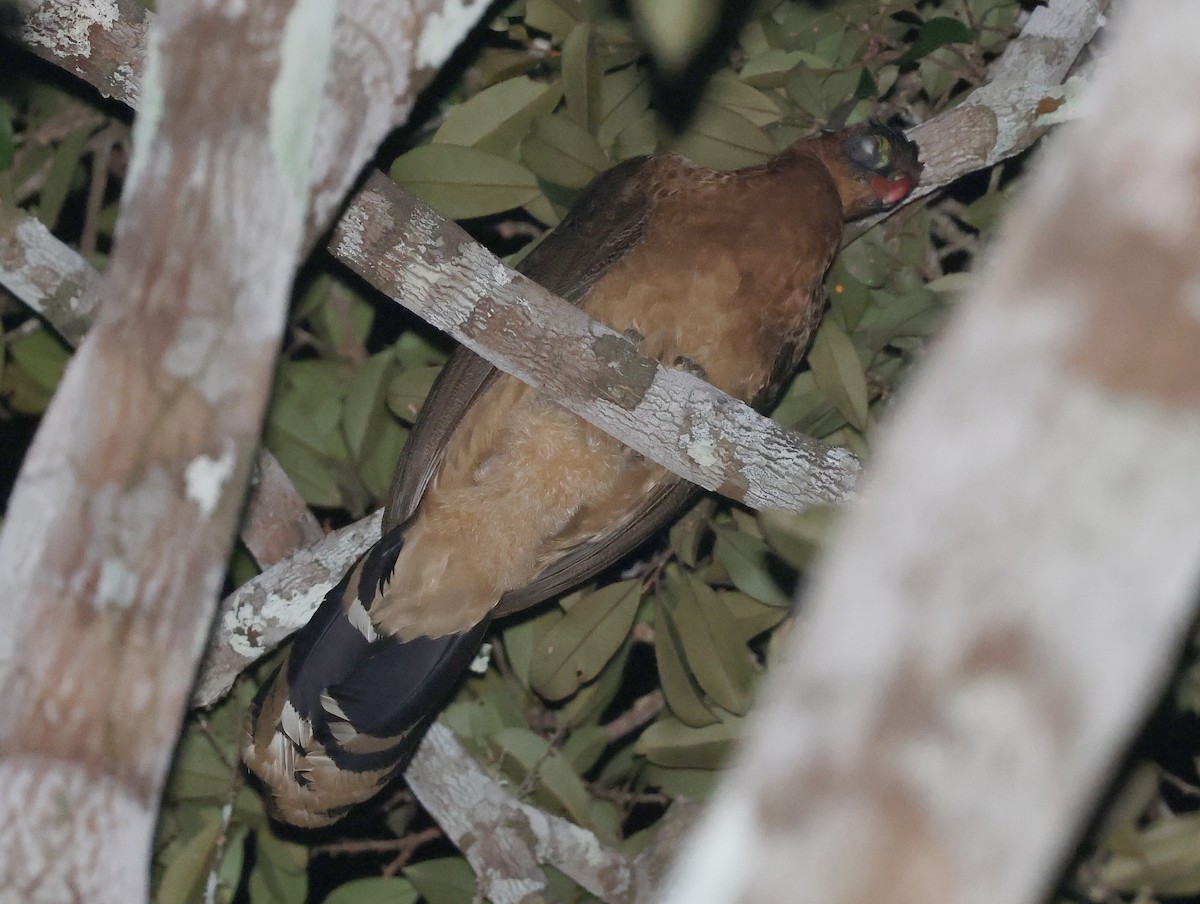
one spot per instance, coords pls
(503, 499)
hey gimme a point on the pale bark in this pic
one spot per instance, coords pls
(1019, 574)
(57, 283)
(118, 530)
(506, 840)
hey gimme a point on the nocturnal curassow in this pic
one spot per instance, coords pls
(503, 498)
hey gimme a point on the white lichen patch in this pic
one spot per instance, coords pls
(205, 478)
(187, 356)
(118, 585)
(703, 451)
(65, 27)
(246, 626)
(442, 31)
(298, 89)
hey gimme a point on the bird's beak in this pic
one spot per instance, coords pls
(891, 191)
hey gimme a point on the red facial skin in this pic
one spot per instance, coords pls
(891, 191)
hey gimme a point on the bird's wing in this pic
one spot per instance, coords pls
(603, 225)
(606, 221)
(341, 715)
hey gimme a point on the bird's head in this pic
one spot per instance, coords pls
(874, 166)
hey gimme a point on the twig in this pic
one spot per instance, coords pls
(643, 711)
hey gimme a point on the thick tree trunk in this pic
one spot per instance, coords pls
(117, 533)
(1005, 601)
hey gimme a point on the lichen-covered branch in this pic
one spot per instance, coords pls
(269, 608)
(1001, 118)
(504, 839)
(1011, 591)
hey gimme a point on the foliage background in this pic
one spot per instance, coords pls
(631, 692)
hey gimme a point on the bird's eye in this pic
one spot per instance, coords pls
(871, 152)
(883, 152)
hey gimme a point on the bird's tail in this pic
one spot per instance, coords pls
(346, 709)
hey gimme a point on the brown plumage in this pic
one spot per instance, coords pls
(503, 498)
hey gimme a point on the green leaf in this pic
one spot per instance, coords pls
(773, 69)
(1164, 859)
(593, 699)
(42, 356)
(582, 76)
(340, 318)
(750, 617)
(560, 151)
(939, 73)
(448, 880)
(557, 782)
(720, 138)
(839, 372)
(522, 639)
(683, 696)
(7, 144)
(378, 465)
(187, 870)
(715, 655)
(803, 86)
(937, 32)
(797, 536)
(679, 781)
(748, 561)
(637, 138)
(577, 646)
(364, 412)
(585, 746)
(376, 890)
(497, 118)
(624, 96)
(463, 182)
(555, 17)
(688, 532)
(199, 773)
(407, 391)
(743, 99)
(63, 168)
(280, 870)
(669, 742)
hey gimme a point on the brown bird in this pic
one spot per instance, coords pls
(503, 498)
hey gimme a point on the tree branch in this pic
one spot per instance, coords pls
(1015, 583)
(57, 283)
(118, 529)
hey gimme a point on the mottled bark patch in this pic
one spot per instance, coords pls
(1141, 335)
(623, 376)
